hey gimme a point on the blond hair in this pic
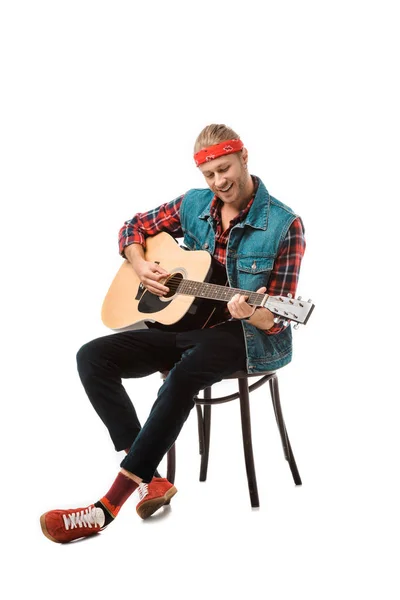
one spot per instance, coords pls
(214, 134)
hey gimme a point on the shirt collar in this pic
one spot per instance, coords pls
(256, 212)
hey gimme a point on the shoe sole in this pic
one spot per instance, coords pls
(148, 508)
(49, 537)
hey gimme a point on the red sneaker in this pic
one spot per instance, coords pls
(154, 495)
(67, 525)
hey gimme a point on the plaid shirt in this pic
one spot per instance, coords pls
(285, 273)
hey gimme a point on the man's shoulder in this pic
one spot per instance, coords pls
(274, 202)
(281, 205)
(201, 192)
(202, 196)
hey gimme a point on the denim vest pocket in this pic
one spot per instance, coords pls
(254, 271)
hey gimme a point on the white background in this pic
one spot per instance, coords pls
(100, 105)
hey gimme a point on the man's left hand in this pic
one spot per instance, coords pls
(238, 306)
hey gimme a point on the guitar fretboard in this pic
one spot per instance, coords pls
(216, 292)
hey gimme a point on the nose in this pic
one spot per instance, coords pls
(220, 180)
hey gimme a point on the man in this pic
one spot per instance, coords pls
(260, 242)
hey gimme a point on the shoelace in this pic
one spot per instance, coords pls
(84, 518)
(143, 490)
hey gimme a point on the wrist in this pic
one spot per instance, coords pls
(134, 253)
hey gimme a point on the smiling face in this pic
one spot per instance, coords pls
(228, 178)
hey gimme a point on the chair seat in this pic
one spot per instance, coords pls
(245, 374)
(242, 379)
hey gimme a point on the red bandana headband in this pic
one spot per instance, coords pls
(207, 154)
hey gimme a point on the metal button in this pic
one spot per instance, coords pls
(205, 246)
(254, 266)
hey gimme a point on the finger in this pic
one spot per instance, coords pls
(232, 303)
(232, 312)
(158, 269)
(235, 309)
(153, 276)
(237, 297)
(155, 287)
(155, 291)
(161, 276)
(262, 290)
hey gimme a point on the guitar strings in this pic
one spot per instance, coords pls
(189, 287)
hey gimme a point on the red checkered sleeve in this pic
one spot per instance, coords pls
(164, 218)
(285, 273)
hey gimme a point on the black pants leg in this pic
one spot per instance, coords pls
(104, 362)
(208, 356)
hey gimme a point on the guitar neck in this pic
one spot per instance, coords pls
(213, 291)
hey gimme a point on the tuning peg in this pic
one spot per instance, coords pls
(296, 326)
(290, 296)
(299, 298)
(309, 301)
(277, 320)
(285, 323)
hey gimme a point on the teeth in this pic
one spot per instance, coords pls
(226, 189)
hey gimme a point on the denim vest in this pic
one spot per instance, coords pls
(252, 248)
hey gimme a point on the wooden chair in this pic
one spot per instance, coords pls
(203, 407)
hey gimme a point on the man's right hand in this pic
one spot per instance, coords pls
(152, 275)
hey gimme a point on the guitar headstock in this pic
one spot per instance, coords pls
(290, 309)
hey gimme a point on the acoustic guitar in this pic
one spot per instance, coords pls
(197, 291)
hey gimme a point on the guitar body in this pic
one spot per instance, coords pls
(128, 303)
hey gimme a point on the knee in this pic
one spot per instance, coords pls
(87, 357)
(179, 391)
(180, 380)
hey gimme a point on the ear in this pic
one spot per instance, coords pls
(245, 156)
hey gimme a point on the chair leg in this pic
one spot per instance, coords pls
(206, 432)
(247, 442)
(200, 427)
(171, 464)
(287, 449)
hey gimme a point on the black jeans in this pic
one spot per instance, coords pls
(195, 360)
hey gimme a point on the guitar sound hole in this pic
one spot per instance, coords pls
(173, 283)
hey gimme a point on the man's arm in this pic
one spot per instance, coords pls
(132, 241)
(164, 218)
